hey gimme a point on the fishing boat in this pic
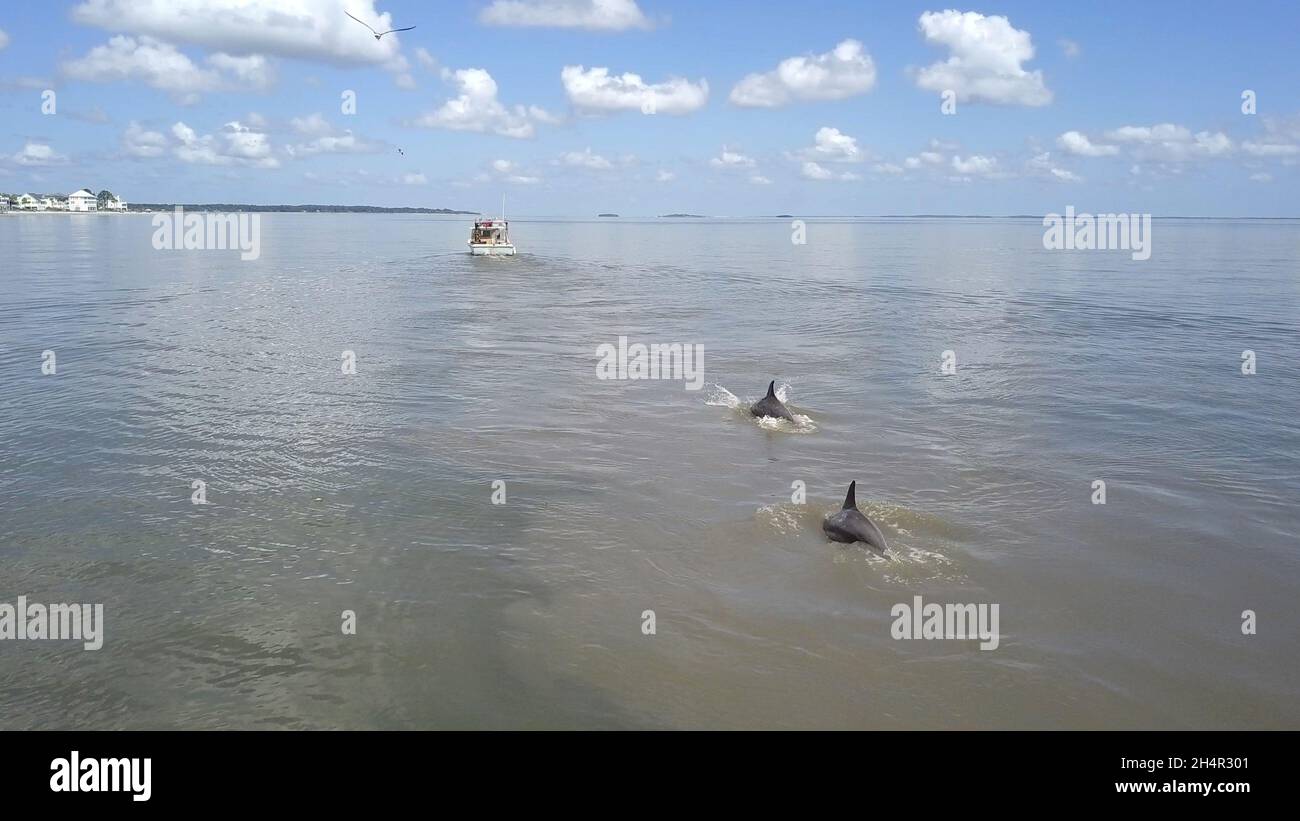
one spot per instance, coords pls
(491, 237)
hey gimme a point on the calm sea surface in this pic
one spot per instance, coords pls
(373, 492)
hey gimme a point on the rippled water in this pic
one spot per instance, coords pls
(372, 492)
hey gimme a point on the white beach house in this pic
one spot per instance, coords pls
(29, 202)
(108, 201)
(82, 200)
(54, 202)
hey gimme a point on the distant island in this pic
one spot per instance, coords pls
(304, 209)
(679, 216)
(607, 215)
(784, 216)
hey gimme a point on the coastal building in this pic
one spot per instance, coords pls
(108, 201)
(82, 200)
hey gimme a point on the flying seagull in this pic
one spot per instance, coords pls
(378, 34)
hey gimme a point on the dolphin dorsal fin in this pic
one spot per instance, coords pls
(849, 500)
(771, 389)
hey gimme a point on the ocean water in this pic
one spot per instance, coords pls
(372, 492)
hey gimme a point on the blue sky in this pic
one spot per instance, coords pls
(741, 108)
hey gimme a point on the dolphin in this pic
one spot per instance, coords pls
(850, 525)
(771, 406)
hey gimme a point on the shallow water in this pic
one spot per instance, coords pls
(372, 492)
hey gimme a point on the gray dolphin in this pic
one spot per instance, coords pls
(849, 525)
(771, 406)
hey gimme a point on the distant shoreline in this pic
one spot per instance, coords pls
(152, 208)
(293, 209)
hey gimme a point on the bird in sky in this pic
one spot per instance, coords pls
(378, 34)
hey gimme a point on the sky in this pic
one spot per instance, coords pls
(646, 107)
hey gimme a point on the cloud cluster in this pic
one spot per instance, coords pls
(160, 65)
(138, 141)
(729, 159)
(832, 145)
(1163, 142)
(594, 15)
(1073, 142)
(477, 109)
(34, 154)
(312, 30)
(235, 144)
(596, 90)
(297, 29)
(845, 71)
(986, 60)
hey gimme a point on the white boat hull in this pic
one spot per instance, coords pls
(498, 250)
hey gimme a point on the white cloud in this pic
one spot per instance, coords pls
(595, 15)
(313, 125)
(1069, 48)
(845, 71)
(251, 71)
(1169, 142)
(985, 60)
(1043, 164)
(298, 29)
(832, 145)
(585, 159)
(975, 165)
(1074, 142)
(138, 141)
(510, 172)
(478, 109)
(813, 171)
(159, 65)
(595, 89)
(1261, 177)
(759, 179)
(235, 144)
(342, 143)
(1153, 133)
(1270, 149)
(414, 179)
(931, 158)
(665, 176)
(4, 39)
(38, 155)
(425, 59)
(731, 160)
(325, 139)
